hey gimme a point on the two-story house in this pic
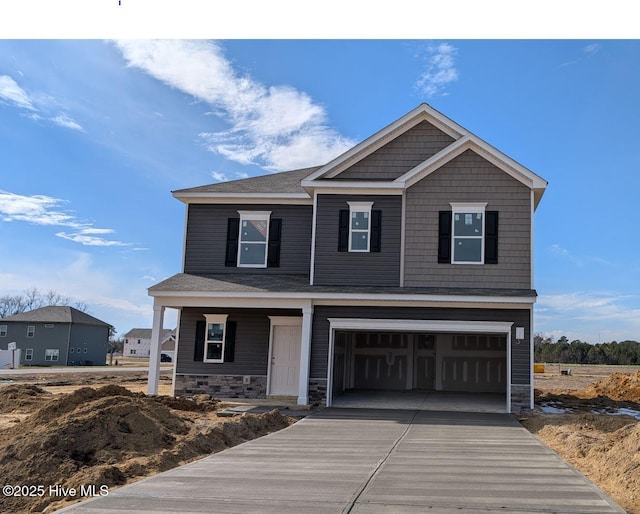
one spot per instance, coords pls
(406, 263)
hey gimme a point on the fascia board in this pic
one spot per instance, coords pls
(403, 325)
(471, 142)
(421, 113)
(338, 298)
(354, 187)
(289, 198)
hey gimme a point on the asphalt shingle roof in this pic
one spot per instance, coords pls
(57, 314)
(250, 283)
(283, 182)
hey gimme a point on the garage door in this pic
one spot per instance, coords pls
(406, 361)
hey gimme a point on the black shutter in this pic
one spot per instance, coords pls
(233, 229)
(230, 341)
(275, 232)
(376, 230)
(444, 237)
(198, 348)
(491, 237)
(343, 231)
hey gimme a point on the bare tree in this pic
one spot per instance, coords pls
(32, 299)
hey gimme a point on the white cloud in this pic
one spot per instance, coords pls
(439, 71)
(592, 49)
(220, 177)
(47, 211)
(11, 92)
(273, 127)
(65, 121)
(589, 316)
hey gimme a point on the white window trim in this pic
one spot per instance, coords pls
(31, 333)
(3, 330)
(52, 354)
(360, 207)
(215, 318)
(248, 216)
(473, 208)
(28, 354)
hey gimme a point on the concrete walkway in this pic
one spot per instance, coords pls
(371, 461)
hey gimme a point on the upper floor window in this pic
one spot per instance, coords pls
(31, 331)
(468, 234)
(253, 239)
(359, 226)
(3, 330)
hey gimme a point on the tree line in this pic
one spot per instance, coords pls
(579, 352)
(33, 298)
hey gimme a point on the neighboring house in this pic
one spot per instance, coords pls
(404, 263)
(57, 335)
(137, 342)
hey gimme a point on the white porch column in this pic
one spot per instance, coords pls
(154, 354)
(305, 356)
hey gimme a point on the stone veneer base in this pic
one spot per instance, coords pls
(222, 386)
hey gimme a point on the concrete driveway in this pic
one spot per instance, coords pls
(373, 461)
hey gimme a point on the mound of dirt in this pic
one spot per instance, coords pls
(618, 386)
(110, 435)
(16, 397)
(604, 448)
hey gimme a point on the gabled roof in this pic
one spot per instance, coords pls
(145, 333)
(464, 140)
(57, 314)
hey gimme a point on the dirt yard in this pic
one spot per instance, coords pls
(591, 420)
(113, 434)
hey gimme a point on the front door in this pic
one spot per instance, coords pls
(285, 360)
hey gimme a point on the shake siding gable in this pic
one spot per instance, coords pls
(207, 234)
(399, 155)
(333, 267)
(468, 178)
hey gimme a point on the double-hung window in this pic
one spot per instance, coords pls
(51, 355)
(28, 354)
(3, 330)
(253, 239)
(215, 335)
(31, 331)
(468, 233)
(359, 226)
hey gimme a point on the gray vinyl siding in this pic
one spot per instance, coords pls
(94, 339)
(251, 346)
(357, 268)
(520, 358)
(468, 178)
(206, 237)
(399, 155)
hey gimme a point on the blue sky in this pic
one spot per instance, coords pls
(95, 134)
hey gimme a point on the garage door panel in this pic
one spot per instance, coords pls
(474, 374)
(425, 372)
(380, 371)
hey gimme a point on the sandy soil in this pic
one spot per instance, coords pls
(72, 436)
(593, 425)
(114, 434)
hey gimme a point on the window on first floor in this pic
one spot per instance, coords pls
(51, 354)
(31, 331)
(3, 330)
(132, 352)
(215, 337)
(28, 354)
